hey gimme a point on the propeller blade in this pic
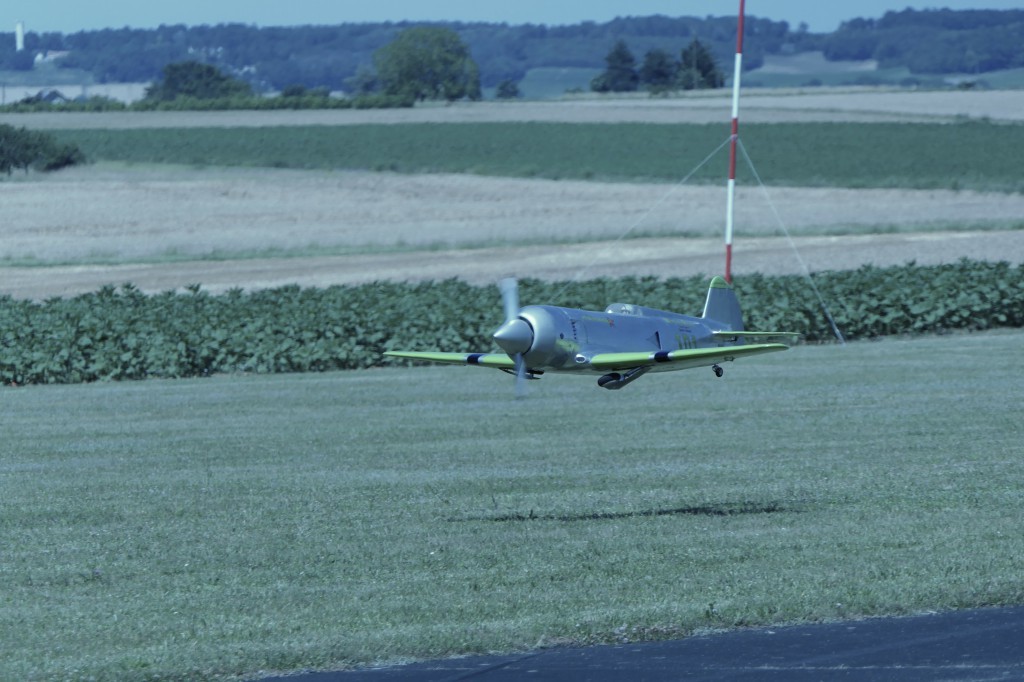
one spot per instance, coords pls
(510, 297)
(515, 336)
(520, 376)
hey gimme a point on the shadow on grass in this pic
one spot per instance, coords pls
(724, 509)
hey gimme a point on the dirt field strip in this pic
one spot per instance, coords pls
(661, 257)
(124, 215)
(134, 218)
(767, 106)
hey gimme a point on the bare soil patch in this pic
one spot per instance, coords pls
(758, 106)
(661, 257)
(160, 228)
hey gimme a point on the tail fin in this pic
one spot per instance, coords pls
(722, 306)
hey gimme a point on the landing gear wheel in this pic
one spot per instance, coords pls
(718, 371)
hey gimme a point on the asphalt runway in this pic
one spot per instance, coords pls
(976, 645)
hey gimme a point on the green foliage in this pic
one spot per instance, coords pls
(971, 155)
(428, 62)
(17, 61)
(311, 100)
(54, 156)
(697, 69)
(620, 74)
(124, 334)
(934, 41)
(89, 104)
(331, 55)
(197, 81)
(299, 97)
(659, 71)
(507, 89)
(299, 90)
(965, 41)
(22, 148)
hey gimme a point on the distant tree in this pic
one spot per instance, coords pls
(698, 70)
(197, 80)
(18, 61)
(473, 90)
(14, 148)
(24, 149)
(620, 74)
(853, 44)
(659, 70)
(507, 89)
(428, 62)
(363, 82)
(53, 155)
(295, 90)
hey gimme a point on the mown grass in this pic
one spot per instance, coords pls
(968, 155)
(207, 528)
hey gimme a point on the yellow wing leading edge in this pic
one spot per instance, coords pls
(496, 360)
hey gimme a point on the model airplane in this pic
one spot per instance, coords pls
(620, 344)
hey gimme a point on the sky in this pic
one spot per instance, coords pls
(69, 16)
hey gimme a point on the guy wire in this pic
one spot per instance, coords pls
(792, 244)
(636, 223)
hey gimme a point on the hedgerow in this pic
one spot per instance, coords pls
(122, 333)
(237, 103)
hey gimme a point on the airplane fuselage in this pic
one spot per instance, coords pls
(565, 339)
(621, 343)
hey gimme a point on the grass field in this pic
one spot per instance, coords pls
(970, 155)
(209, 528)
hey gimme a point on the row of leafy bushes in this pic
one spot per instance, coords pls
(122, 333)
(193, 85)
(255, 102)
(238, 103)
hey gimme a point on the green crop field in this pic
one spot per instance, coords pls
(969, 155)
(216, 527)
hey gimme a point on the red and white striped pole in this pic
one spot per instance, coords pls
(738, 68)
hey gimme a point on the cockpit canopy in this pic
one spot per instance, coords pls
(624, 309)
(640, 311)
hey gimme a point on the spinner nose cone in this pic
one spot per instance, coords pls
(515, 336)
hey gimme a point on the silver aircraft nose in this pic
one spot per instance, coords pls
(515, 336)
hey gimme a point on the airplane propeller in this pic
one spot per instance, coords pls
(514, 336)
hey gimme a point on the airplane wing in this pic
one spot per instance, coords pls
(756, 335)
(497, 360)
(681, 359)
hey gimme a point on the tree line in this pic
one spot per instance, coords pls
(342, 57)
(422, 63)
(696, 69)
(333, 56)
(934, 41)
